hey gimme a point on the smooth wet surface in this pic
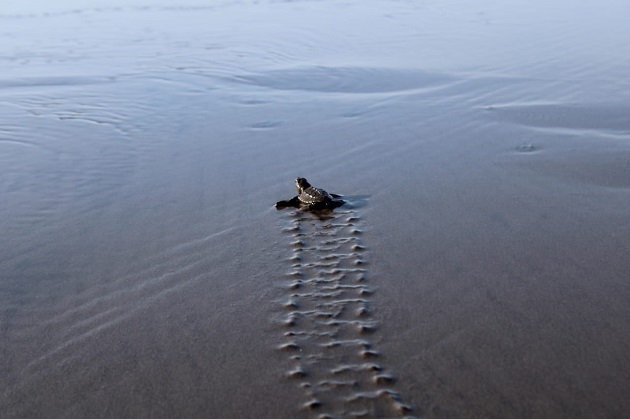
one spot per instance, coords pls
(481, 270)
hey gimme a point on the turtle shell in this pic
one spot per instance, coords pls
(308, 194)
(313, 195)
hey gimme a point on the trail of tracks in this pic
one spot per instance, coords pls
(328, 330)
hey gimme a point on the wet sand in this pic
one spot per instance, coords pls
(479, 268)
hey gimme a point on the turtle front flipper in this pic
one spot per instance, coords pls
(293, 202)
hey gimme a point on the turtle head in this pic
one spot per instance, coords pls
(301, 184)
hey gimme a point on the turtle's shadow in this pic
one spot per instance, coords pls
(350, 202)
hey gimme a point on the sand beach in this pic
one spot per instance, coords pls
(479, 269)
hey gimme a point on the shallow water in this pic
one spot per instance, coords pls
(484, 149)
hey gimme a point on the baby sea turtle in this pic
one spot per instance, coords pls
(311, 198)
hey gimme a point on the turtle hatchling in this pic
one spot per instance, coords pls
(311, 198)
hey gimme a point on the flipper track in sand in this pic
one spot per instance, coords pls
(326, 321)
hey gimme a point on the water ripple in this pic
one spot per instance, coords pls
(345, 79)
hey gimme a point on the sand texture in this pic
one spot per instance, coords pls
(479, 269)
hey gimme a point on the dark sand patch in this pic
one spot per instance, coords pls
(576, 117)
(345, 80)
